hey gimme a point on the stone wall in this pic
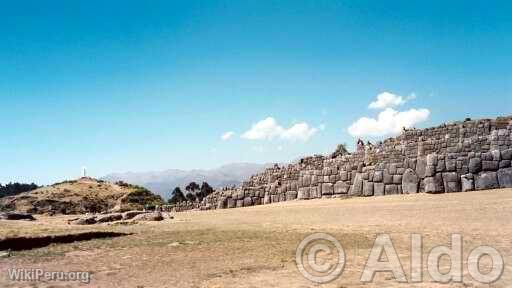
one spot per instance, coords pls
(455, 157)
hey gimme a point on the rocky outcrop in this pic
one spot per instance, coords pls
(16, 216)
(461, 156)
(133, 216)
(85, 195)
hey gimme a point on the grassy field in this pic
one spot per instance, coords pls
(255, 246)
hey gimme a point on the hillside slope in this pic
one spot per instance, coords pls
(81, 196)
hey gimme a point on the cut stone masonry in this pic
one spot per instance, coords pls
(456, 157)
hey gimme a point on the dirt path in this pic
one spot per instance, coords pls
(255, 247)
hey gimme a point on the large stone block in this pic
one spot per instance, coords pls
(231, 203)
(410, 182)
(341, 187)
(378, 189)
(496, 155)
(441, 166)
(267, 199)
(504, 164)
(378, 176)
(434, 184)
(388, 179)
(367, 188)
(468, 183)
(505, 178)
(421, 166)
(506, 154)
(490, 165)
(391, 189)
(303, 193)
(357, 186)
(291, 195)
(451, 165)
(432, 159)
(451, 182)
(397, 179)
(486, 180)
(475, 165)
(314, 193)
(222, 203)
(247, 201)
(392, 168)
(327, 189)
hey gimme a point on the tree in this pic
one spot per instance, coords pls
(192, 187)
(191, 197)
(341, 149)
(12, 189)
(177, 196)
(206, 190)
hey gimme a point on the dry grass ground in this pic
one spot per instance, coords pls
(255, 247)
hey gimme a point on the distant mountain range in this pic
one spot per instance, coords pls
(163, 182)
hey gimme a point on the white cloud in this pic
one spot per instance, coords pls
(299, 132)
(389, 100)
(266, 129)
(269, 129)
(388, 122)
(228, 135)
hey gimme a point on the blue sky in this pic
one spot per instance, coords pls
(150, 85)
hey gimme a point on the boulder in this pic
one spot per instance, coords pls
(16, 216)
(505, 178)
(88, 220)
(410, 182)
(486, 180)
(109, 218)
(153, 216)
